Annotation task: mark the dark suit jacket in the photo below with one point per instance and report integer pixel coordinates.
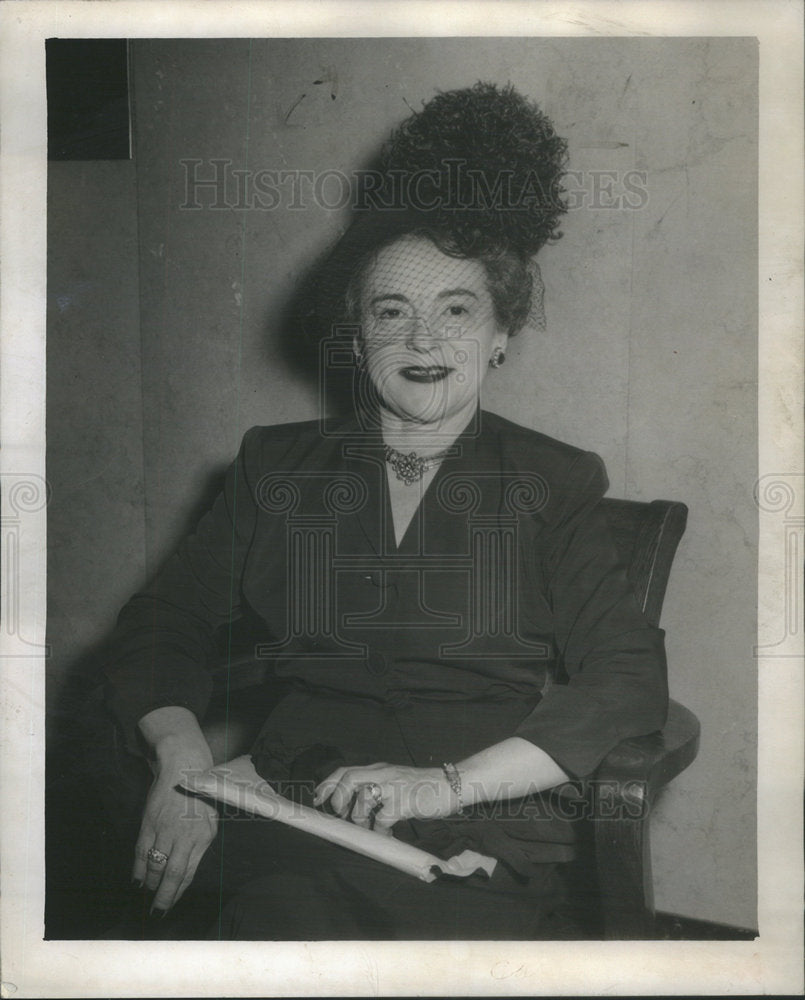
(504, 611)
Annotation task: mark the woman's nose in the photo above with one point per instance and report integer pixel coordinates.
(419, 335)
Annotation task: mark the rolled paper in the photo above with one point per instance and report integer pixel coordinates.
(238, 784)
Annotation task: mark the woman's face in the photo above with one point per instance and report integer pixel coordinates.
(429, 331)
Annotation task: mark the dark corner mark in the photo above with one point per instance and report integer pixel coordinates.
(88, 99)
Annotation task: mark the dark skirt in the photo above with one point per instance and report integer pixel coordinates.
(261, 880)
(266, 881)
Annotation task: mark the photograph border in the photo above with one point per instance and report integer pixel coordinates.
(36, 968)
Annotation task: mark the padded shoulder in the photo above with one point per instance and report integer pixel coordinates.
(268, 447)
(572, 477)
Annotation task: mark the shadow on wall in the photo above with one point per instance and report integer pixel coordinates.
(313, 313)
(316, 312)
(83, 675)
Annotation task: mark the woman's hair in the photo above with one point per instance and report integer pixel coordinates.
(477, 172)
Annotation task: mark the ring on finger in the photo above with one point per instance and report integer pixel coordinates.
(375, 793)
(157, 857)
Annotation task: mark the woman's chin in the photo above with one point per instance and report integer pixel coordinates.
(430, 412)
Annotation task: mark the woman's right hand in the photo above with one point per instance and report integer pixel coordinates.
(178, 826)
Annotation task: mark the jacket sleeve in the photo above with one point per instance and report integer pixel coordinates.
(164, 641)
(611, 683)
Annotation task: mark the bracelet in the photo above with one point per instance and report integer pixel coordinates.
(454, 780)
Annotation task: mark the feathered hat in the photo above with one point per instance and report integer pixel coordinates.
(482, 165)
(478, 168)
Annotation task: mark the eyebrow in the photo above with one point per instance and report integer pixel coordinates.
(456, 291)
(385, 298)
(395, 297)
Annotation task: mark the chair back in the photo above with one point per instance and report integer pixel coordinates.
(647, 536)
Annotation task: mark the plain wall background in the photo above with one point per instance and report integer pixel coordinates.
(164, 339)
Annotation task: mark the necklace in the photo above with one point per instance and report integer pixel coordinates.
(410, 468)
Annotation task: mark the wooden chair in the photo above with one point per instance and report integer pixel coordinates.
(625, 786)
(628, 781)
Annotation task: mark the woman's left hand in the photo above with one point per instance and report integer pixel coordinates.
(379, 795)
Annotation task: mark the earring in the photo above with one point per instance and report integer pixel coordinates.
(497, 359)
(359, 360)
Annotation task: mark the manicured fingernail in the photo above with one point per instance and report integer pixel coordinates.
(138, 882)
(157, 912)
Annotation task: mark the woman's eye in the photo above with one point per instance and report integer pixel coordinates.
(457, 310)
(389, 313)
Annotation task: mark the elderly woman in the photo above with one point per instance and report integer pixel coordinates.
(438, 586)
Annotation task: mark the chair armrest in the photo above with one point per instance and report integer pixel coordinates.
(625, 786)
(642, 765)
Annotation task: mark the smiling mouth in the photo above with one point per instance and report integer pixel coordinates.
(431, 373)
